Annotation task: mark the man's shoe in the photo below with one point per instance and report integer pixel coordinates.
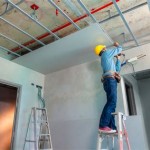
(106, 130)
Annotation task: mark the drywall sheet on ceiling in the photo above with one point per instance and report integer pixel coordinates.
(71, 50)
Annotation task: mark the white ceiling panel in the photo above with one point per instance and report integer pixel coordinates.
(74, 49)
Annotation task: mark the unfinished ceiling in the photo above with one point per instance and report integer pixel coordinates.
(26, 25)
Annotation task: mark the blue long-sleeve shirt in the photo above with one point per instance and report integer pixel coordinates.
(107, 61)
(118, 65)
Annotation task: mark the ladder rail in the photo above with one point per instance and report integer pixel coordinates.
(27, 128)
(42, 141)
(35, 129)
(120, 131)
(49, 128)
(126, 135)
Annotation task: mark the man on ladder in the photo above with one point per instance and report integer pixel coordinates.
(110, 78)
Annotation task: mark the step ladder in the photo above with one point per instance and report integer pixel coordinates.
(121, 134)
(38, 135)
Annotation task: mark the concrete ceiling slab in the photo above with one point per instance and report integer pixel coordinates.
(46, 14)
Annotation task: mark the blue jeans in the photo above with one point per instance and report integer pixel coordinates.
(107, 119)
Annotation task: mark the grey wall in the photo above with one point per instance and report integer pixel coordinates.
(132, 121)
(144, 86)
(75, 99)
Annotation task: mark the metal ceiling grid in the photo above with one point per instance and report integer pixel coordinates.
(77, 11)
(93, 18)
(3, 48)
(4, 36)
(7, 9)
(40, 24)
(114, 25)
(125, 22)
(22, 31)
(64, 14)
(37, 22)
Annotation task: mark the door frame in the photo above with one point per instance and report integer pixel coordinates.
(17, 109)
(131, 102)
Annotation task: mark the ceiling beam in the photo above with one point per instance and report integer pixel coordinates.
(66, 16)
(94, 19)
(24, 32)
(37, 22)
(4, 36)
(9, 9)
(126, 11)
(3, 48)
(125, 22)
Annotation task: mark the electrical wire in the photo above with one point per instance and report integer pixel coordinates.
(124, 62)
(134, 73)
(40, 97)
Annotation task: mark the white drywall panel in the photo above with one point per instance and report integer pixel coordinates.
(71, 50)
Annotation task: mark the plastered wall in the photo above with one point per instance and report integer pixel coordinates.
(133, 121)
(23, 77)
(144, 86)
(75, 98)
(72, 98)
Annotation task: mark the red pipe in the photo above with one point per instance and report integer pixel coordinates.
(63, 26)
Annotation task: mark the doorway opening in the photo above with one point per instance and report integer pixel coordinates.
(8, 110)
(130, 98)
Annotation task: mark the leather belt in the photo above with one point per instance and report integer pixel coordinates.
(108, 77)
(103, 78)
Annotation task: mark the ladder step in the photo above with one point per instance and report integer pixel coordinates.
(116, 113)
(30, 141)
(112, 134)
(121, 134)
(45, 140)
(44, 134)
(40, 122)
(41, 109)
(109, 134)
(45, 149)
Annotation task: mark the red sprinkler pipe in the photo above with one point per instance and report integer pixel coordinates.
(64, 26)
